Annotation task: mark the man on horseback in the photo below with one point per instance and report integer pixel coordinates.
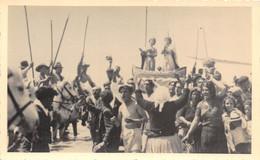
(44, 75)
(56, 77)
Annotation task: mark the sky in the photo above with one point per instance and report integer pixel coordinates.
(120, 31)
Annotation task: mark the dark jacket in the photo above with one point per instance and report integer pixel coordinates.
(162, 123)
(40, 144)
(105, 130)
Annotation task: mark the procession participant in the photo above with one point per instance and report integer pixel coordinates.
(25, 67)
(236, 92)
(92, 117)
(172, 88)
(40, 141)
(244, 83)
(44, 75)
(82, 73)
(149, 87)
(177, 90)
(57, 77)
(162, 134)
(248, 117)
(209, 67)
(150, 53)
(131, 116)
(185, 116)
(209, 112)
(197, 81)
(108, 135)
(170, 57)
(113, 74)
(235, 127)
(107, 86)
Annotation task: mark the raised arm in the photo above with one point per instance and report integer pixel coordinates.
(145, 104)
(220, 85)
(179, 103)
(91, 107)
(80, 64)
(25, 71)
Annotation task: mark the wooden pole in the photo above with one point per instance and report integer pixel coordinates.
(30, 48)
(85, 36)
(51, 43)
(59, 44)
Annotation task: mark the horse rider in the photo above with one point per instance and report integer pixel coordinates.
(44, 74)
(56, 77)
(25, 67)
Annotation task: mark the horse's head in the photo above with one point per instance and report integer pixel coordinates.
(66, 91)
(21, 111)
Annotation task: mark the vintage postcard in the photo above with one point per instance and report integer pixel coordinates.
(93, 79)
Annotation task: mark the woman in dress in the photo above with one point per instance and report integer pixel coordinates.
(186, 115)
(209, 112)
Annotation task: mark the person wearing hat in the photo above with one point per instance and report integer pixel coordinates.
(57, 77)
(44, 74)
(245, 85)
(170, 57)
(131, 116)
(25, 67)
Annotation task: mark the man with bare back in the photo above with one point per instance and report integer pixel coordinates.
(131, 116)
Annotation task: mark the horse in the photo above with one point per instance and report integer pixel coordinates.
(22, 114)
(65, 111)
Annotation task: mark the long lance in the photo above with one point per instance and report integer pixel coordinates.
(59, 45)
(85, 36)
(51, 43)
(30, 48)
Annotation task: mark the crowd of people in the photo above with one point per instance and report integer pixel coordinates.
(197, 113)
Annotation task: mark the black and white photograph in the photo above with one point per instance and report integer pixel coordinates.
(129, 79)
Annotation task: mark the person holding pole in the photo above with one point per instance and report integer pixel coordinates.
(56, 77)
(44, 72)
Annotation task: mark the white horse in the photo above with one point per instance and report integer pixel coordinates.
(22, 112)
(65, 110)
